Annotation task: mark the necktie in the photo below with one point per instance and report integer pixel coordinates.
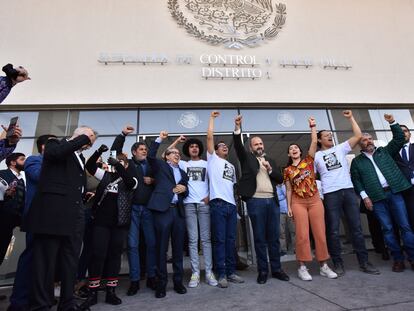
(404, 154)
(20, 193)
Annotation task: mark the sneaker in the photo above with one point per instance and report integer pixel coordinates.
(222, 283)
(327, 272)
(303, 274)
(234, 278)
(339, 268)
(211, 279)
(194, 281)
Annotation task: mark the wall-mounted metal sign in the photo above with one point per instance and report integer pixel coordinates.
(124, 58)
(232, 23)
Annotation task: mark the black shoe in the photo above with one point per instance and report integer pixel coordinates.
(160, 292)
(152, 283)
(262, 277)
(179, 288)
(385, 255)
(369, 268)
(18, 308)
(240, 265)
(91, 300)
(339, 268)
(3, 297)
(133, 288)
(281, 275)
(111, 298)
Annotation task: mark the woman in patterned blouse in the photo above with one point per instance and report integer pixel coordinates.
(305, 205)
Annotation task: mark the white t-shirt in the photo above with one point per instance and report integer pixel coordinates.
(222, 176)
(333, 168)
(197, 180)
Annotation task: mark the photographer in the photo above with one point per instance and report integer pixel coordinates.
(111, 217)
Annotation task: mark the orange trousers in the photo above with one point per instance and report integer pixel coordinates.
(309, 211)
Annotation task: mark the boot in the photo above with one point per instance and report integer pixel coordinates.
(91, 300)
(111, 297)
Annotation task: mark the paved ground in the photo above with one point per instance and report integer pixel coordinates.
(354, 291)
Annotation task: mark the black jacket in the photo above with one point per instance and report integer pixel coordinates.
(407, 168)
(250, 167)
(57, 203)
(143, 192)
(10, 204)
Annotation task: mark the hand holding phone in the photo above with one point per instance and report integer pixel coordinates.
(11, 127)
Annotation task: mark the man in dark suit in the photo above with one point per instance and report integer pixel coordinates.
(19, 300)
(141, 218)
(405, 161)
(257, 187)
(56, 219)
(11, 206)
(166, 203)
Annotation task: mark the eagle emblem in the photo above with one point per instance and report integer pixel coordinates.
(232, 23)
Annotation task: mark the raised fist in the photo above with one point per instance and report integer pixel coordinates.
(238, 120)
(215, 114)
(128, 129)
(388, 117)
(312, 121)
(163, 134)
(103, 148)
(347, 114)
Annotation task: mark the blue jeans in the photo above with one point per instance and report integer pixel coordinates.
(141, 216)
(197, 215)
(345, 200)
(223, 228)
(265, 217)
(393, 207)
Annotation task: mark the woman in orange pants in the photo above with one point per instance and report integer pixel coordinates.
(305, 205)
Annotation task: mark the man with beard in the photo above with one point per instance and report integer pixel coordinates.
(13, 203)
(379, 182)
(257, 187)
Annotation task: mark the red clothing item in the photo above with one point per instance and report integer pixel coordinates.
(302, 177)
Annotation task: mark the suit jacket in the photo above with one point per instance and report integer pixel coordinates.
(406, 168)
(143, 192)
(57, 202)
(10, 206)
(250, 168)
(165, 182)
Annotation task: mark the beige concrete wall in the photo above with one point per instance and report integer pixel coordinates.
(60, 41)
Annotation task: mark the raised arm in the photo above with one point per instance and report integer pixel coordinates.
(91, 165)
(152, 153)
(210, 132)
(119, 141)
(398, 139)
(314, 137)
(56, 151)
(354, 140)
(237, 138)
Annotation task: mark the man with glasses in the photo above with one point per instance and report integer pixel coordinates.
(257, 187)
(223, 211)
(167, 205)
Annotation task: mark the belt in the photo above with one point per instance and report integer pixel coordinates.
(173, 205)
(386, 189)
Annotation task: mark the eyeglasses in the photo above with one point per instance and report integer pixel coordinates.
(221, 145)
(173, 152)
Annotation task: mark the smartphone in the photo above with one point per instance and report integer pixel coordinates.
(12, 125)
(112, 154)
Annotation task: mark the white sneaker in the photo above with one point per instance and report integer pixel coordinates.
(194, 281)
(303, 274)
(327, 272)
(211, 279)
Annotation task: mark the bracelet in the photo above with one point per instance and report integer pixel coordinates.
(313, 125)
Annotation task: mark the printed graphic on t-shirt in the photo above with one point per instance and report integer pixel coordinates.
(196, 173)
(112, 188)
(331, 161)
(228, 172)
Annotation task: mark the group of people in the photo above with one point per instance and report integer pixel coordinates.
(165, 198)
